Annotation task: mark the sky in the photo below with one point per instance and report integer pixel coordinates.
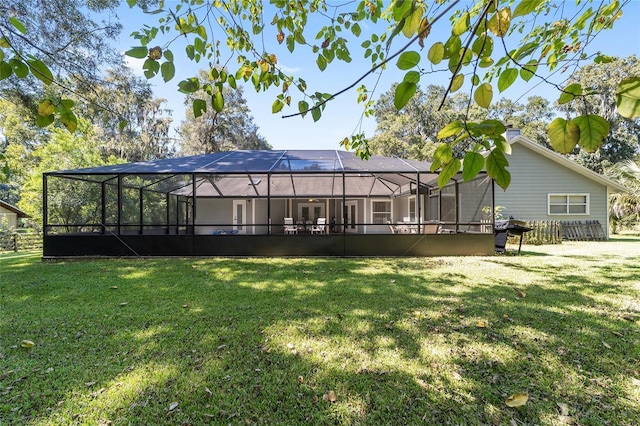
(343, 116)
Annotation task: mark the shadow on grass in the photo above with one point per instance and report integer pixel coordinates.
(247, 341)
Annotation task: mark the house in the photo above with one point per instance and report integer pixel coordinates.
(10, 215)
(265, 203)
(546, 186)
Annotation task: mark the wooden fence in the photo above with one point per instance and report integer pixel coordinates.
(576, 230)
(554, 231)
(20, 241)
(543, 232)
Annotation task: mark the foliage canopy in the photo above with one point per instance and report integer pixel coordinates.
(242, 42)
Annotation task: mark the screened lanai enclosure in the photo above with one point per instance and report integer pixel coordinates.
(266, 203)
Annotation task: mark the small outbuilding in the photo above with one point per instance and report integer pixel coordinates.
(10, 215)
(266, 203)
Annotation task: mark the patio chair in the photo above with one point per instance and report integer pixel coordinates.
(289, 227)
(319, 228)
(431, 228)
(391, 227)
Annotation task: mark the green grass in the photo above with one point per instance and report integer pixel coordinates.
(271, 341)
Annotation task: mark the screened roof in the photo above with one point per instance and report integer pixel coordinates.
(291, 173)
(263, 162)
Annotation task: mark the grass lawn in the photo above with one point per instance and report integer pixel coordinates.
(324, 341)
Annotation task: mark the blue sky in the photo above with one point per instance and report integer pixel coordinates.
(343, 116)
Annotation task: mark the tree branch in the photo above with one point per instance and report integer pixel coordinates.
(380, 65)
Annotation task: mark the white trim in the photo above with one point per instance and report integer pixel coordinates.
(415, 212)
(568, 204)
(242, 227)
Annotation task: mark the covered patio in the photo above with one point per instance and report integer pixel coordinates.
(266, 203)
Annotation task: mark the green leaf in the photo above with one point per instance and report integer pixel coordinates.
(44, 120)
(404, 92)
(501, 143)
(199, 107)
(137, 52)
(408, 60)
(436, 53)
(401, 9)
(603, 59)
(529, 70)
(483, 46)
(491, 128)
(525, 7)
(277, 106)
(20, 69)
(168, 55)
(442, 155)
(483, 95)
(131, 3)
(69, 120)
(40, 71)
(563, 135)
(355, 29)
(457, 82)
(628, 98)
(322, 62)
(448, 171)
(472, 165)
(412, 23)
(461, 25)
(412, 77)
(593, 130)
(507, 78)
(485, 62)
(122, 124)
(66, 104)
(570, 92)
(150, 68)
(168, 70)
(232, 82)
(189, 85)
(5, 70)
(452, 129)
(19, 25)
(316, 114)
(217, 101)
(497, 168)
(303, 107)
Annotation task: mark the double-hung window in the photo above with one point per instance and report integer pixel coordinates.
(381, 211)
(568, 204)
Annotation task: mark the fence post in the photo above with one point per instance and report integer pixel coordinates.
(14, 237)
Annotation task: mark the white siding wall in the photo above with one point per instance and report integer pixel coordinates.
(533, 177)
(212, 211)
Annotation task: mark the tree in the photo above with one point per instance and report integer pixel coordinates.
(130, 122)
(413, 131)
(49, 41)
(63, 151)
(601, 80)
(230, 128)
(492, 44)
(625, 207)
